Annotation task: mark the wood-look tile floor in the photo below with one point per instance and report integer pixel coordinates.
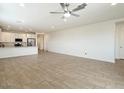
(57, 71)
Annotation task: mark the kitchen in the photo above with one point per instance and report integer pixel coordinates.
(13, 44)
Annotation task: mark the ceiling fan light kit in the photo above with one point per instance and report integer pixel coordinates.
(66, 15)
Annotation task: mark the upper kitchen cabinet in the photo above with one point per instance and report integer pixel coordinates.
(5, 37)
(31, 35)
(12, 37)
(0, 35)
(18, 35)
(24, 37)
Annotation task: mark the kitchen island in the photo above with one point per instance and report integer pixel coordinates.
(18, 51)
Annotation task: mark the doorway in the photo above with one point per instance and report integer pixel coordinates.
(120, 40)
(40, 42)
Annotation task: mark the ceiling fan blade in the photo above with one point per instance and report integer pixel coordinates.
(57, 12)
(62, 5)
(76, 15)
(82, 6)
(65, 6)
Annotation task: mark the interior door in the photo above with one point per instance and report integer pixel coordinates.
(121, 40)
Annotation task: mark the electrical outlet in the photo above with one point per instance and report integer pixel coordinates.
(85, 53)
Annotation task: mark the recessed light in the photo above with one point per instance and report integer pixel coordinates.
(114, 4)
(21, 4)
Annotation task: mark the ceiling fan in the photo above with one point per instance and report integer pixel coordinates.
(67, 12)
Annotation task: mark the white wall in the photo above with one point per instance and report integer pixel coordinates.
(97, 40)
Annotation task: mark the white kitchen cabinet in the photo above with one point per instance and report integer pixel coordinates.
(24, 37)
(0, 36)
(31, 35)
(12, 37)
(18, 35)
(5, 37)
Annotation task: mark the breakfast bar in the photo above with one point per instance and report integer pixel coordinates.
(17, 51)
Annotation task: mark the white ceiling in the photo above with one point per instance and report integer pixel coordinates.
(37, 18)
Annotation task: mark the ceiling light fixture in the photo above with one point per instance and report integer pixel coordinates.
(114, 4)
(67, 15)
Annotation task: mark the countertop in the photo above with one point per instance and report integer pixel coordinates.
(18, 47)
